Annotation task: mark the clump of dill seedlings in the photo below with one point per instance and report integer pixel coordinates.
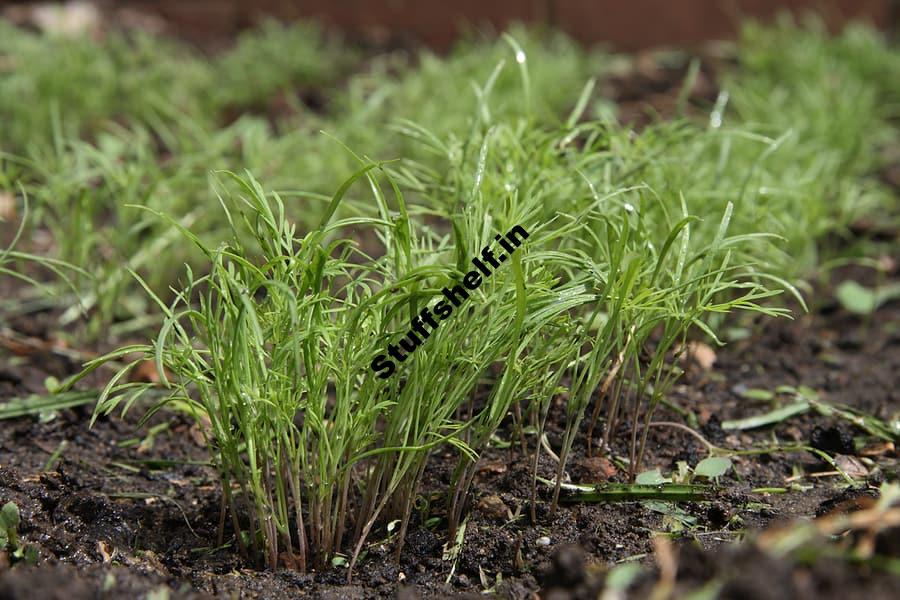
(270, 351)
(636, 242)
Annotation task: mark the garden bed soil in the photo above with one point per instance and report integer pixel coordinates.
(117, 520)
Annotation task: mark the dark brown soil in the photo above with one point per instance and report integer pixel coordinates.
(118, 520)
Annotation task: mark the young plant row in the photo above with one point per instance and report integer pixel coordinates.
(794, 152)
(142, 133)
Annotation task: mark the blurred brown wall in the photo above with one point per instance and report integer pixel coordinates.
(622, 24)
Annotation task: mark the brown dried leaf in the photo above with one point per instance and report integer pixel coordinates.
(197, 429)
(493, 506)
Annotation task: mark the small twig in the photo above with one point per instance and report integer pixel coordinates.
(24, 345)
(793, 478)
(667, 560)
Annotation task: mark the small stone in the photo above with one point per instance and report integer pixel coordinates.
(738, 389)
(542, 541)
(793, 433)
(493, 506)
(489, 468)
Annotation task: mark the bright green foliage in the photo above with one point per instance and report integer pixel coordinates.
(169, 137)
(638, 241)
(97, 126)
(653, 271)
(275, 58)
(829, 103)
(62, 87)
(478, 81)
